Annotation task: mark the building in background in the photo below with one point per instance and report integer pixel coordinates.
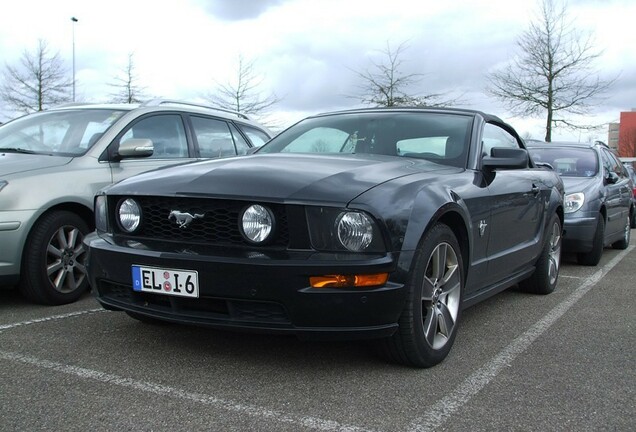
(612, 135)
(626, 133)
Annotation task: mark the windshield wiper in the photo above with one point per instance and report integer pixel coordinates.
(16, 150)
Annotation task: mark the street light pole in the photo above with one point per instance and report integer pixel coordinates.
(74, 20)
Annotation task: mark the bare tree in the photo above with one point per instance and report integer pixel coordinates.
(554, 73)
(128, 91)
(38, 82)
(386, 85)
(242, 94)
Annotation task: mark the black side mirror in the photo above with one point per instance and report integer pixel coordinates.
(506, 157)
(611, 177)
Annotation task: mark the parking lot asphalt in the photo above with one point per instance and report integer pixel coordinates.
(566, 361)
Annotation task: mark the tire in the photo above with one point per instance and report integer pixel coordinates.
(53, 271)
(633, 218)
(593, 257)
(624, 242)
(428, 324)
(546, 275)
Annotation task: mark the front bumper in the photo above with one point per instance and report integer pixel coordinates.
(13, 234)
(578, 233)
(253, 291)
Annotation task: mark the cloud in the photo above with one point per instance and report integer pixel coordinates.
(232, 10)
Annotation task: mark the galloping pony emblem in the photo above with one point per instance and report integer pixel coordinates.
(184, 219)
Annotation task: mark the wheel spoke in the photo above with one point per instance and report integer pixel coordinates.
(61, 238)
(439, 262)
(54, 267)
(79, 249)
(430, 325)
(446, 320)
(451, 290)
(59, 279)
(80, 267)
(73, 235)
(52, 250)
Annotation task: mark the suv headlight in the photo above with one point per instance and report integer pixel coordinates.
(574, 202)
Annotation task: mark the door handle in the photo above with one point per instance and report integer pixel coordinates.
(535, 190)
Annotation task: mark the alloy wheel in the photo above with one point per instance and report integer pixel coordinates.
(65, 259)
(441, 295)
(555, 253)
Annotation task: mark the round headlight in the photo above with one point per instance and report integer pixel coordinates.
(257, 223)
(129, 215)
(355, 231)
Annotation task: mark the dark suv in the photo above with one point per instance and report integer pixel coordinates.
(598, 196)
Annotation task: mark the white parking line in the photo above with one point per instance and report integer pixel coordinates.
(50, 318)
(446, 407)
(163, 390)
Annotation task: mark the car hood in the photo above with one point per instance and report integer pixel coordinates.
(279, 177)
(578, 184)
(13, 163)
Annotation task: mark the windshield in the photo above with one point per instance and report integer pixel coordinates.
(439, 137)
(568, 162)
(68, 132)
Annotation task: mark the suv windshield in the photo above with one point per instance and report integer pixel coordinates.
(68, 132)
(568, 162)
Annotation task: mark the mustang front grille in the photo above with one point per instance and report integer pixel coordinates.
(211, 221)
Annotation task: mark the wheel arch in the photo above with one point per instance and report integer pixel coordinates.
(451, 215)
(457, 224)
(79, 209)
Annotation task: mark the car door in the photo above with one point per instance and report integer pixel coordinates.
(168, 135)
(516, 198)
(617, 200)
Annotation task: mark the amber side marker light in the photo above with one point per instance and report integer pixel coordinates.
(345, 281)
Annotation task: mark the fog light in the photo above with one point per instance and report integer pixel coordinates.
(348, 281)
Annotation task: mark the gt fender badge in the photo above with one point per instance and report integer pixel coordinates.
(482, 227)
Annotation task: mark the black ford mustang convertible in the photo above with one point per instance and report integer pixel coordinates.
(375, 223)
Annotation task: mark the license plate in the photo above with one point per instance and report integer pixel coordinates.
(174, 282)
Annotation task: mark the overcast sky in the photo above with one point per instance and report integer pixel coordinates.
(306, 51)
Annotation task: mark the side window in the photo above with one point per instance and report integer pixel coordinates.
(214, 137)
(607, 163)
(615, 165)
(167, 133)
(256, 136)
(494, 136)
(242, 146)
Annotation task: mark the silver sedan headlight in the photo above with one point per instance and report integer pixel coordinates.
(257, 224)
(129, 215)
